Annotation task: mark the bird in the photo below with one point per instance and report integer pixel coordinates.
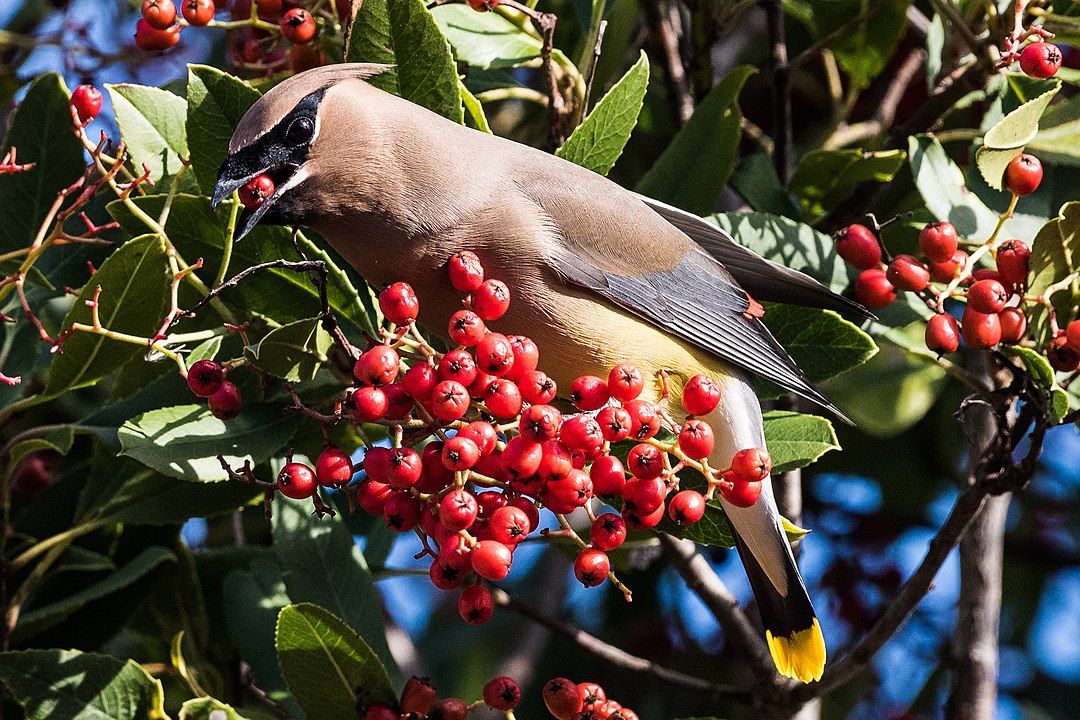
(600, 274)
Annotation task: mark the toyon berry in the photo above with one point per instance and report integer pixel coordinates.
(509, 525)
(980, 330)
(644, 419)
(562, 698)
(1013, 262)
(589, 392)
(858, 246)
(1063, 357)
(381, 711)
(420, 381)
(466, 328)
(297, 481)
(448, 709)
(449, 400)
(687, 507)
(502, 694)
(378, 366)
(608, 532)
(491, 300)
(399, 304)
(696, 439)
(537, 388)
(333, 467)
(1040, 59)
(159, 14)
(608, 476)
(466, 272)
(581, 432)
(269, 10)
(907, 273)
(701, 395)
(476, 605)
(1072, 333)
(643, 496)
(945, 272)
(151, 39)
(491, 560)
(1023, 174)
(873, 289)
(938, 241)
(751, 465)
(34, 475)
(460, 453)
(591, 567)
(418, 696)
(458, 365)
(86, 99)
(369, 404)
(483, 5)
(205, 377)
(198, 13)
(987, 296)
(298, 26)
(526, 357)
(494, 355)
(942, 334)
(592, 696)
(625, 382)
(255, 192)
(402, 512)
(1013, 324)
(645, 461)
(404, 468)
(225, 404)
(742, 494)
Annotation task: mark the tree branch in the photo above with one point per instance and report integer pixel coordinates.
(667, 41)
(781, 89)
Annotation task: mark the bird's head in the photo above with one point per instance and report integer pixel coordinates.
(283, 136)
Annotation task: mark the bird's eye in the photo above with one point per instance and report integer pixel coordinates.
(300, 131)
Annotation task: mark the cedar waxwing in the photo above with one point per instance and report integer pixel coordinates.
(599, 274)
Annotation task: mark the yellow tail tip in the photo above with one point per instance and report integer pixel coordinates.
(800, 655)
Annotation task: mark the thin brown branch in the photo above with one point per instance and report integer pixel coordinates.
(667, 42)
(781, 90)
(838, 33)
(886, 110)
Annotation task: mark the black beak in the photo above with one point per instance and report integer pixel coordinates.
(234, 174)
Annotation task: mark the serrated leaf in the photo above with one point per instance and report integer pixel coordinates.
(151, 122)
(41, 133)
(485, 40)
(184, 441)
(795, 440)
(822, 343)
(694, 169)
(328, 668)
(134, 284)
(321, 564)
(1006, 139)
(216, 102)
(1055, 254)
(474, 109)
(825, 178)
(293, 352)
(403, 34)
(73, 685)
(599, 140)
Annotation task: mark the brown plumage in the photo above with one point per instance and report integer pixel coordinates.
(598, 274)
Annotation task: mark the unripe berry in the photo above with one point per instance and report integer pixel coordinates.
(701, 395)
(873, 289)
(987, 296)
(1040, 59)
(1062, 356)
(151, 39)
(491, 300)
(491, 560)
(255, 192)
(86, 99)
(205, 377)
(591, 567)
(946, 271)
(907, 273)
(608, 532)
(333, 467)
(198, 13)
(399, 304)
(298, 26)
(476, 605)
(980, 330)
(687, 507)
(466, 272)
(1013, 262)
(502, 694)
(297, 481)
(369, 404)
(418, 696)
(696, 439)
(858, 246)
(608, 476)
(742, 494)
(159, 14)
(938, 241)
(225, 404)
(1023, 174)
(562, 699)
(751, 465)
(1013, 324)
(942, 334)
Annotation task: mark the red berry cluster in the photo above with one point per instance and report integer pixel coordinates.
(420, 701)
(567, 700)
(206, 378)
(478, 448)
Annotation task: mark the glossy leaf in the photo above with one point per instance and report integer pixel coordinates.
(151, 499)
(485, 40)
(1054, 256)
(756, 180)
(1007, 138)
(293, 352)
(822, 343)
(216, 102)
(796, 440)
(825, 178)
(151, 124)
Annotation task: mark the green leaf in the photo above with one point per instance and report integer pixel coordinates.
(403, 34)
(72, 685)
(756, 180)
(863, 50)
(485, 40)
(1006, 139)
(134, 284)
(1036, 363)
(825, 178)
(58, 441)
(1055, 254)
(599, 140)
(795, 440)
(321, 564)
(1059, 133)
(41, 133)
(712, 529)
(473, 108)
(151, 499)
(794, 532)
(184, 441)
(37, 619)
(822, 343)
(216, 102)
(151, 124)
(695, 167)
(208, 709)
(293, 352)
(328, 668)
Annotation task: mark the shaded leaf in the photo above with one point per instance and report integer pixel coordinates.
(151, 499)
(293, 352)
(216, 102)
(822, 343)
(1055, 254)
(1058, 139)
(151, 124)
(485, 40)
(756, 180)
(825, 178)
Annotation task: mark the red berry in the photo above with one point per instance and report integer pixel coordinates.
(701, 395)
(608, 476)
(404, 468)
(225, 404)
(540, 423)
(645, 461)
(1040, 59)
(644, 419)
(398, 402)
(687, 507)
(643, 496)
(537, 388)
(87, 102)
(751, 465)
(581, 432)
(555, 461)
(449, 709)
(938, 241)
(334, 467)
(857, 245)
(987, 296)
(205, 377)
(696, 439)
(980, 330)
(378, 366)
(985, 274)
(491, 300)
(298, 26)
(373, 496)
(526, 356)
(907, 273)
(460, 453)
(528, 507)
(402, 512)
(592, 567)
(1013, 324)
(35, 474)
(1013, 262)
(466, 272)
(449, 400)
(458, 365)
(502, 694)
(491, 560)
(522, 457)
(483, 5)
(420, 381)
(482, 433)
(466, 328)
(615, 423)
(608, 531)
(607, 710)
(562, 698)
(269, 10)
(297, 481)
(873, 289)
(592, 696)
(198, 12)
(568, 493)
(418, 696)
(149, 38)
(376, 464)
(588, 392)
(743, 494)
(503, 399)
(369, 404)
(381, 711)
(399, 304)
(942, 334)
(1062, 356)
(458, 510)
(625, 382)
(159, 14)
(256, 191)
(475, 605)
(495, 355)
(1023, 174)
(509, 525)
(946, 271)
(1072, 332)
(643, 521)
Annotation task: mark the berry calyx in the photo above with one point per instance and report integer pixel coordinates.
(159, 14)
(86, 99)
(502, 693)
(298, 26)
(255, 192)
(608, 532)
(1040, 59)
(591, 567)
(858, 246)
(938, 241)
(205, 377)
(1023, 174)
(225, 403)
(873, 289)
(942, 334)
(907, 273)
(333, 467)
(476, 605)
(297, 481)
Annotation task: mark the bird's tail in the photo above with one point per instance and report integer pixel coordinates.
(791, 626)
